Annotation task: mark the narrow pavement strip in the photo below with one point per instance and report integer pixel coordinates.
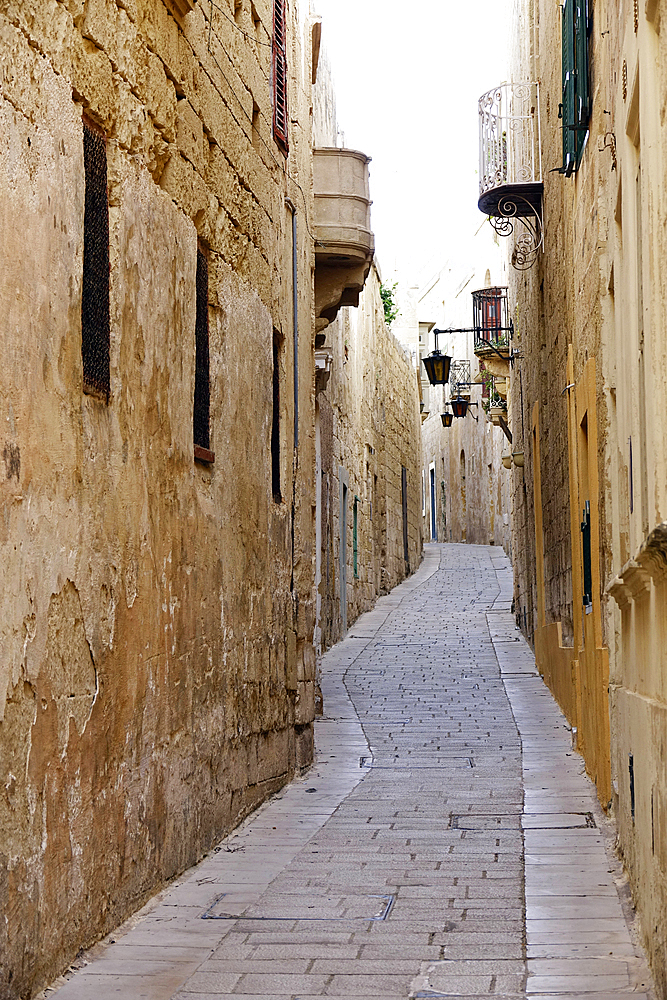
(446, 843)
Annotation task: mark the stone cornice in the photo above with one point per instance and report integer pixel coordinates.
(648, 566)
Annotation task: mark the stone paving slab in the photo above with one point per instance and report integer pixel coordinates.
(445, 842)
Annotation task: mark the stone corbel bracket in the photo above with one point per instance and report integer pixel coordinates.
(181, 7)
(648, 566)
(323, 360)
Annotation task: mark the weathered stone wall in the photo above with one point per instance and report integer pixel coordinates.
(156, 614)
(471, 484)
(472, 487)
(593, 314)
(370, 410)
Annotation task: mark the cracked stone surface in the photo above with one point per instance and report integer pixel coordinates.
(445, 843)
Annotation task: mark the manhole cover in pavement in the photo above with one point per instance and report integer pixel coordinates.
(336, 906)
(483, 823)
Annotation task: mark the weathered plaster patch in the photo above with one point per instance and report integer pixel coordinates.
(69, 670)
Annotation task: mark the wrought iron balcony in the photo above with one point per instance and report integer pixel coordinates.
(510, 166)
(492, 325)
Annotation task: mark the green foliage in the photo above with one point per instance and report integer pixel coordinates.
(387, 293)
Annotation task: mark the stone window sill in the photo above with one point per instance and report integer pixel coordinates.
(204, 455)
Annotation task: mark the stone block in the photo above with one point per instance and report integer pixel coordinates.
(180, 180)
(159, 94)
(304, 709)
(190, 136)
(291, 674)
(93, 83)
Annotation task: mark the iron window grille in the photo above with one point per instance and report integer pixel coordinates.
(202, 400)
(275, 421)
(491, 320)
(575, 109)
(279, 76)
(95, 318)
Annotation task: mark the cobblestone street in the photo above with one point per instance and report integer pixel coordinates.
(445, 843)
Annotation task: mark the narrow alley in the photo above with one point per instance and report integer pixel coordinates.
(445, 842)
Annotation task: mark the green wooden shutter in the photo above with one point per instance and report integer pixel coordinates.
(575, 109)
(581, 80)
(567, 109)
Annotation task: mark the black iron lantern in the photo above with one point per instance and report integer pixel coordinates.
(447, 418)
(437, 367)
(437, 364)
(459, 406)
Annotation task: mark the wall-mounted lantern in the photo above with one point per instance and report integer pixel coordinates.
(447, 418)
(437, 364)
(460, 406)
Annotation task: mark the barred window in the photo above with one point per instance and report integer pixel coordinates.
(202, 401)
(95, 324)
(275, 422)
(279, 80)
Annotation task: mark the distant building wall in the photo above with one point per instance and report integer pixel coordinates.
(370, 410)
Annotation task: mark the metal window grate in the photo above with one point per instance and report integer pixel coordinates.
(280, 76)
(95, 323)
(202, 404)
(275, 421)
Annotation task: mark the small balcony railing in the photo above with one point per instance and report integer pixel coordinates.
(510, 165)
(492, 324)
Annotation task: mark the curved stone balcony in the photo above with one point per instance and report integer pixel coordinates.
(344, 242)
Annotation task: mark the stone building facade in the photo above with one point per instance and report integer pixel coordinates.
(157, 394)
(368, 427)
(367, 515)
(465, 486)
(590, 505)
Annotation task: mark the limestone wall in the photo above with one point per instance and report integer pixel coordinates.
(369, 425)
(592, 316)
(462, 464)
(471, 484)
(156, 613)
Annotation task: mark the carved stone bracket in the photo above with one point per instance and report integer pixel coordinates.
(652, 556)
(620, 592)
(648, 566)
(323, 361)
(181, 7)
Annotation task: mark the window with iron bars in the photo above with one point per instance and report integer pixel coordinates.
(202, 402)
(279, 76)
(95, 319)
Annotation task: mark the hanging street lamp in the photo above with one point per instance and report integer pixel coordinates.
(437, 364)
(459, 406)
(447, 418)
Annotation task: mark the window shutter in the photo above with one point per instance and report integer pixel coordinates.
(567, 107)
(575, 108)
(280, 76)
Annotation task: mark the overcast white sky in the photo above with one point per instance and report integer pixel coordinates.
(407, 77)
